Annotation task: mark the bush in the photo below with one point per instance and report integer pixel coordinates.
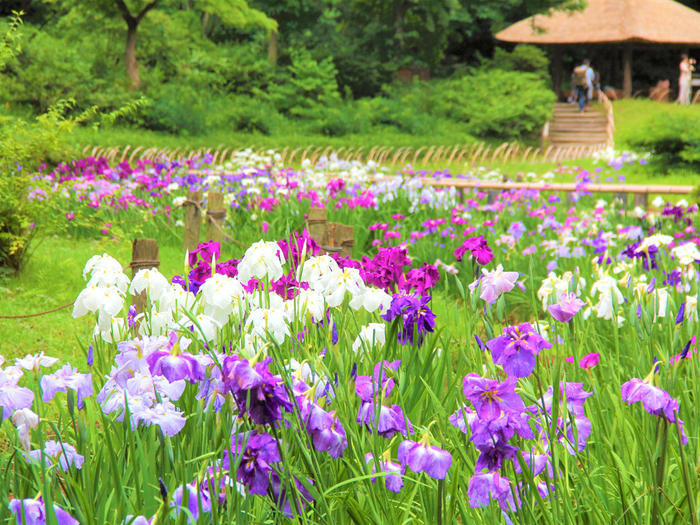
(524, 58)
(673, 138)
(305, 84)
(178, 109)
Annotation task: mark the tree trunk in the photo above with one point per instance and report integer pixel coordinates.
(272, 49)
(132, 65)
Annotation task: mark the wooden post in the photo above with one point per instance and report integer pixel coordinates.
(317, 221)
(345, 239)
(641, 200)
(144, 254)
(556, 70)
(193, 219)
(491, 196)
(627, 70)
(216, 213)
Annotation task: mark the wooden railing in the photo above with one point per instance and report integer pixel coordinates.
(610, 119)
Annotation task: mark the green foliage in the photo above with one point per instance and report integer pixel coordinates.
(305, 84)
(526, 58)
(673, 139)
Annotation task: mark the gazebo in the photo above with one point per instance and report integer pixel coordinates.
(626, 23)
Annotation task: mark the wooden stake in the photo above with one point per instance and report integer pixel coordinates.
(641, 200)
(317, 221)
(144, 254)
(216, 214)
(193, 219)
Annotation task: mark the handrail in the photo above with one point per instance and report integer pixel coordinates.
(559, 186)
(610, 119)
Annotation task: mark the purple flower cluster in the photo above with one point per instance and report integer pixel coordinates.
(479, 249)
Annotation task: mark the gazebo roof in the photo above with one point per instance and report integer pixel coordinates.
(609, 21)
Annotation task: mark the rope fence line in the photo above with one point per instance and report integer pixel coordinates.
(385, 155)
(37, 314)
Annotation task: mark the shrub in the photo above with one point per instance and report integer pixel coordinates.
(178, 109)
(673, 138)
(524, 58)
(305, 84)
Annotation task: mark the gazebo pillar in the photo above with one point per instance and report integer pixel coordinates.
(556, 69)
(627, 70)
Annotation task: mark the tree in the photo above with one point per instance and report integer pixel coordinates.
(236, 13)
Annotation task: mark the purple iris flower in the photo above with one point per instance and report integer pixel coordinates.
(490, 397)
(573, 427)
(325, 429)
(13, 397)
(193, 498)
(493, 453)
(422, 457)
(655, 400)
(463, 418)
(33, 512)
(484, 486)
(681, 313)
(175, 366)
(254, 453)
(394, 473)
(63, 453)
(66, 378)
(418, 318)
(279, 493)
(367, 387)
(566, 308)
(391, 419)
(516, 349)
(257, 386)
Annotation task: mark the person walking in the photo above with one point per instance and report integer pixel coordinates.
(686, 72)
(582, 80)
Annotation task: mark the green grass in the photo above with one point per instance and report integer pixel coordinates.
(53, 277)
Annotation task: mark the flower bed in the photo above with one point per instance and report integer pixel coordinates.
(526, 360)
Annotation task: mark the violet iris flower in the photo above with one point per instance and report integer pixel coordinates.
(63, 453)
(566, 308)
(490, 397)
(516, 349)
(194, 495)
(393, 479)
(66, 378)
(484, 486)
(257, 386)
(391, 419)
(175, 366)
(33, 512)
(417, 317)
(422, 457)
(13, 397)
(279, 493)
(254, 453)
(325, 429)
(655, 400)
(366, 387)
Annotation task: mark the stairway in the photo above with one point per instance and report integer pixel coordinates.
(569, 128)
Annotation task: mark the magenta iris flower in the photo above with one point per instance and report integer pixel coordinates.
(490, 397)
(33, 512)
(516, 349)
(566, 308)
(479, 249)
(422, 457)
(589, 360)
